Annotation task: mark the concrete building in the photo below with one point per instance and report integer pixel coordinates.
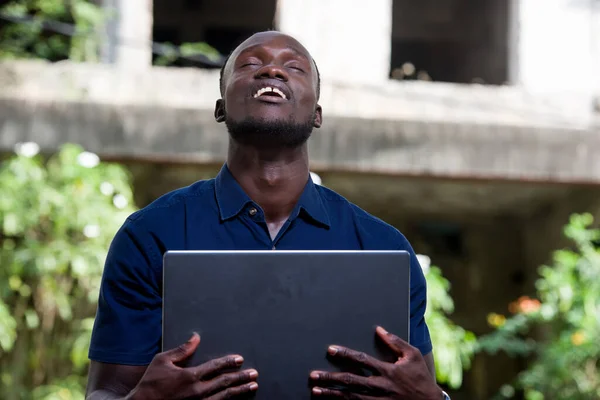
(480, 164)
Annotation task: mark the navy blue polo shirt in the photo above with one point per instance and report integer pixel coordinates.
(216, 214)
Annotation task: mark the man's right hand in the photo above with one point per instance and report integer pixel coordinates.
(163, 379)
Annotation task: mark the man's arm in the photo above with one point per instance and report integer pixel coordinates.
(112, 381)
(125, 344)
(430, 365)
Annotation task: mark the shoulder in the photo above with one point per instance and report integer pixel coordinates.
(145, 234)
(374, 231)
(161, 224)
(173, 203)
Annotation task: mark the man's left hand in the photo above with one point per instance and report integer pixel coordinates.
(407, 378)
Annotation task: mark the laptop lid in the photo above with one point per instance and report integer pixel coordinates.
(281, 309)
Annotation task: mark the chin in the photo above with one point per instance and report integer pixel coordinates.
(270, 113)
(270, 131)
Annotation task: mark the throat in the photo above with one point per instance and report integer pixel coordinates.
(275, 228)
(274, 183)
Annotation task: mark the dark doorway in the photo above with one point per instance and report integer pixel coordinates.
(222, 24)
(462, 41)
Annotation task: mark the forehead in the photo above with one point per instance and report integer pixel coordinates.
(274, 40)
(269, 40)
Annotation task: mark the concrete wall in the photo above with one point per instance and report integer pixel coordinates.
(557, 45)
(129, 31)
(349, 39)
(543, 45)
(416, 128)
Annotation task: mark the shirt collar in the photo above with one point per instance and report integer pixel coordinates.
(232, 199)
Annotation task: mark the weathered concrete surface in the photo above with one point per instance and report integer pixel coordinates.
(413, 129)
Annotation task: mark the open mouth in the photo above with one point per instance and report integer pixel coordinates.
(271, 92)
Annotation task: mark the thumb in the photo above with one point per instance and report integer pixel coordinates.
(399, 346)
(184, 350)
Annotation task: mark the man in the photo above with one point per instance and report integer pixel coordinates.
(263, 198)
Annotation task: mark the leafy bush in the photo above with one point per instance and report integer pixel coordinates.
(453, 346)
(57, 218)
(30, 40)
(559, 330)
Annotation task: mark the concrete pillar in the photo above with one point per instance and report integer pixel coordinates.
(129, 33)
(596, 51)
(556, 45)
(349, 39)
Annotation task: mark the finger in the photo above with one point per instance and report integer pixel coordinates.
(184, 350)
(235, 391)
(399, 346)
(338, 394)
(217, 365)
(357, 357)
(225, 381)
(347, 380)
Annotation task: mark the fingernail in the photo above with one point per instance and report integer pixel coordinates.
(317, 391)
(332, 350)
(253, 373)
(382, 331)
(191, 339)
(314, 375)
(239, 360)
(253, 386)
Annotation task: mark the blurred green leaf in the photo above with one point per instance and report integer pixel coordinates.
(8, 328)
(454, 347)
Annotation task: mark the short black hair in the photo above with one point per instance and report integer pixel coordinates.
(227, 59)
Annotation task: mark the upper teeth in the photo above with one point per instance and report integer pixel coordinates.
(270, 89)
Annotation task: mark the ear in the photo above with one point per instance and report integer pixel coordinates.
(318, 117)
(220, 111)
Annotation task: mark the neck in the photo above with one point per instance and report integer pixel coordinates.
(273, 178)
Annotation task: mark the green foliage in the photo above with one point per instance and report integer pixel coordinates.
(563, 324)
(454, 346)
(57, 218)
(172, 53)
(30, 40)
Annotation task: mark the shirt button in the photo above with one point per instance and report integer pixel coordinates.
(253, 211)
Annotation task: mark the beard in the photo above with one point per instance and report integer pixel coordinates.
(278, 133)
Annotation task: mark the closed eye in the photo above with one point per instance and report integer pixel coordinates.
(250, 61)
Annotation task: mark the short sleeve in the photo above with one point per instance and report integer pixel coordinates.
(128, 324)
(419, 332)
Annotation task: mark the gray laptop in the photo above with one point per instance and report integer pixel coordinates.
(281, 309)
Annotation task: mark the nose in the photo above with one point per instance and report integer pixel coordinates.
(272, 71)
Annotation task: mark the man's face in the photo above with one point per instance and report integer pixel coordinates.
(270, 92)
